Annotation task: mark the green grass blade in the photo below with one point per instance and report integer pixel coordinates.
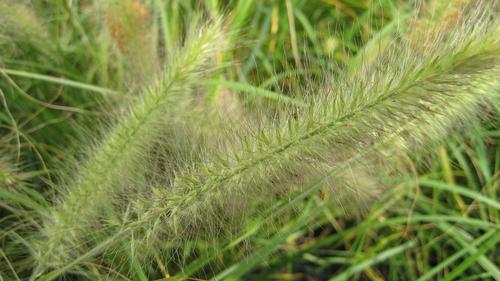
(461, 190)
(60, 81)
(256, 91)
(349, 272)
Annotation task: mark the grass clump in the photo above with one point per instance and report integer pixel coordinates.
(339, 163)
(408, 105)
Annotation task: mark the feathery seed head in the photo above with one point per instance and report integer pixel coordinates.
(114, 167)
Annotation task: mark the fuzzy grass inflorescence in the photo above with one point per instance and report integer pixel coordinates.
(423, 86)
(99, 181)
(8, 173)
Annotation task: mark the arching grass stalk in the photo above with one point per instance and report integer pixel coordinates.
(100, 180)
(421, 87)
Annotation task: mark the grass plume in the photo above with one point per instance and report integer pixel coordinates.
(98, 182)
(414, 94)
(8, 174)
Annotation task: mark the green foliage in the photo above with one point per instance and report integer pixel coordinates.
(325, 140)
